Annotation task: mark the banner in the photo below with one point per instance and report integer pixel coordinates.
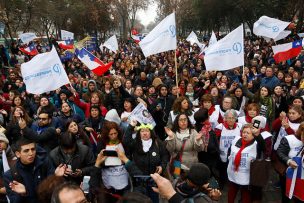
(227, 53)
(161, 38)
(27, 37)
(281, 35)
(142, 115)
(269, 27)
(66, 35)
(212, 40)
(44, 73)
(111, 44)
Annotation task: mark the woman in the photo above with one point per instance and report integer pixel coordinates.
(95, 100)
(19, 101)
(191, 95)
(129, 105)
(252, 110)
(279, 100)
(73, 128)
(291, 146)
(181, 105)
(67, 113)
(243, 150)
(13, 131)
(45, 103)
(239, 97)
(227, 132)
(287, 124)
(211, 153)
(148, 153)
(184, 141)
(114, 174)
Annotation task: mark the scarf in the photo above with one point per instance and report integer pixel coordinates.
(237, 159)
(267, 101)
(205, 130)
(211, 110)
(248, 119)
(183, 134)
(114, 142)
(146, 144)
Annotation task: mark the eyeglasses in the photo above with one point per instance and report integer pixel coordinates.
(183, 119)
(43, 119)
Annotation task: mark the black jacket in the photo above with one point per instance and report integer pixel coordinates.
(82, 159)
(283, 150)
(145, 161)
(115, 101)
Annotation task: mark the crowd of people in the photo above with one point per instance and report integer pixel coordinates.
(211, 126)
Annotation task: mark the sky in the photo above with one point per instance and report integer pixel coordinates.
(147, 16)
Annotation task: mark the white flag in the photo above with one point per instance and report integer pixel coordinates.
(192, 38)
(281, 35)
(269, 27)
(161, 38)
(65, 35)
(111, 43)
(44, 73)
(227, 53)
(27, 37)
(212, 40)
(142, 115)
(301, 34)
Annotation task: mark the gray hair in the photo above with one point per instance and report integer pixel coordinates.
(233, 112)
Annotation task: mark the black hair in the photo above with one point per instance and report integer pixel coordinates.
(67, 141)
(175, 127)
(21, 142)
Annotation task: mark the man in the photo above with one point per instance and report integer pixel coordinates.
(270, 80)
(22, 180)
(42, 131)
(92, 87)
(190, 189)
(68, 193)
(78, 157)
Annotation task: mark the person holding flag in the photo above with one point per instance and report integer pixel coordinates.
(290, 152)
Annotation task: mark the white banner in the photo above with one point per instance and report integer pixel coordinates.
(142, 115)
(44, 73)
(269, 27)
(111, 44)
(227, 53)
(65, 35)
(161, 38)
(27, 37)
(281, 35)
(212, 40)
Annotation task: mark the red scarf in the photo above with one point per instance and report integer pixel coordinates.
(211, 110)
(248, 119)
(237, 159)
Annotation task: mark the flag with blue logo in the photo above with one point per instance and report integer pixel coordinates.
(227, 53)
(162, 38)
(269, 27)
(44, 73)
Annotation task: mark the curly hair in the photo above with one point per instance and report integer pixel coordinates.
(177, 106)
(107, 127)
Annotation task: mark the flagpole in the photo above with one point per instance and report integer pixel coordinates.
(176, 76)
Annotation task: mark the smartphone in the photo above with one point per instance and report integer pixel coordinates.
(256, 123)
(145, 181)
(110, 153)
(213, 183)
(85, 184)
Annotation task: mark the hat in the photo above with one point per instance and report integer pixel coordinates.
(199, 174)
(259, 122)
(3, 138)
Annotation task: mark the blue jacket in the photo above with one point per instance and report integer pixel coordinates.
(270, 82)
(30, 177)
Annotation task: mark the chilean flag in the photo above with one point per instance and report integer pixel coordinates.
(66, 44)
(30, 50)
(287, 51)
(136, 38)
(92, 62)
(295, 180)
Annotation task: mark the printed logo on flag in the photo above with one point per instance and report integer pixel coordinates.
(275, 29)
(172, 30)
(44, 73)
(237, 47)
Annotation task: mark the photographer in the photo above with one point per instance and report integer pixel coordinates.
(195, 188)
